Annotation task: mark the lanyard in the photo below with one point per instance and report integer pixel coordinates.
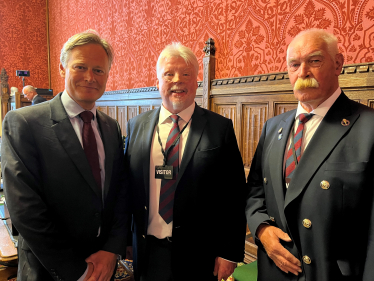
(174, 142)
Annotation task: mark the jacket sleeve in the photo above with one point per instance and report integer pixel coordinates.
(28, 209)
(231, 208)
(256, 211)
(117, 239)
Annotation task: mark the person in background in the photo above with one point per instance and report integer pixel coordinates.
(63, 170)
(187, 181)
(30, 93)
(311, 179)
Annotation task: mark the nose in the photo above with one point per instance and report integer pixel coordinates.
(303, 70)
(89, 76)
(176, 78)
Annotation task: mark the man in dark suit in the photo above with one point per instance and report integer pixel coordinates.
(63, 177)
(311, 180)
(191, 224)
(30, 93)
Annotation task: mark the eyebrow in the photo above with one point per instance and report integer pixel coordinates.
(314, 54)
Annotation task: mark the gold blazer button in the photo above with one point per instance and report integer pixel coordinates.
(307, 223)
(265, 180)
(325, 185)
(307, 260)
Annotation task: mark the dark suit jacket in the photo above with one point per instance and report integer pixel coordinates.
(38, 99)
(340, 239)
(51, 193)
(208, 206)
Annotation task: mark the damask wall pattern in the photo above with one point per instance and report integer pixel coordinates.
(251, 35)
(23, 41)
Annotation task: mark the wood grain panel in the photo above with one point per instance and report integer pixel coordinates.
(112, 112)
(144, 108)
(122, 118)
(227, 110)
(253, 119)
(371, 103)
(132, 111)
(281, 107)
(103, 109)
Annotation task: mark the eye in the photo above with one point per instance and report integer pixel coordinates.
(98, 71)
(79, 67)
(294, 65)
(186, 74)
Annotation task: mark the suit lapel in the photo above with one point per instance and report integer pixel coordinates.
(276, 157)
(70, 142)
(328, 134)
(147, 134)
(106, 136)
(196, 130)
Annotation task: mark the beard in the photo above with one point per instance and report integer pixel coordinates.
(305, 83)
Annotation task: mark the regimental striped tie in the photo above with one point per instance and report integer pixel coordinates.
(168, 186)
(298, 137)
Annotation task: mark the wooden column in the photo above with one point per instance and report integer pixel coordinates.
(5, 94)
(209, 66)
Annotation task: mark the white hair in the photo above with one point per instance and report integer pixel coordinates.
(176, 49)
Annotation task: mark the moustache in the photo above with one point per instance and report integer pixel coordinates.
(305, 83)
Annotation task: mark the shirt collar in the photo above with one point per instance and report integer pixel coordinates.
(322, 109)
(185, 114)
(72, 108)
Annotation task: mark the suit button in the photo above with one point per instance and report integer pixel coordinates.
(143, 236)
(307, 260)
(325, 185)
(265, 180)
(307, 223)
(145, 207)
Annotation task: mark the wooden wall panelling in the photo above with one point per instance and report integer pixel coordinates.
(112, 111)
(103, 109)
(254, 116)
(132, 111)
(122, 118)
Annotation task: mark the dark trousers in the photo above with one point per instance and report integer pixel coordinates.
(158, 264)
(158, 260)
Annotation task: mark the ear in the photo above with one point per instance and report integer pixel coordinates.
(62, 70)
(339, 61)
(157, 84)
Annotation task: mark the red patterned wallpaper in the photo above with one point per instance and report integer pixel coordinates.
(251, 35)
(23, 41)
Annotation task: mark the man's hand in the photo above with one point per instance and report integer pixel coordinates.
(103, 266)
(269, 237)
(223, 268)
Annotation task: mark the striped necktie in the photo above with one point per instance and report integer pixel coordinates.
(294, 151)
(168, 186)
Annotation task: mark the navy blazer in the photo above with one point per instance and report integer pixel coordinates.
(339, 241)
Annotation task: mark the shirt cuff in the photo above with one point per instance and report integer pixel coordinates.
(84, 275)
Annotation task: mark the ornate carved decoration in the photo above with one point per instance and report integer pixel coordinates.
(347, 70)
(209, 63)
(209, 49)
(5, 93)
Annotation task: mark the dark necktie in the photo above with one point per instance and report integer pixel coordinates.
(298, 137)
(90, 146)
(168, 186)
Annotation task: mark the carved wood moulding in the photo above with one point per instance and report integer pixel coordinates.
(347, 69)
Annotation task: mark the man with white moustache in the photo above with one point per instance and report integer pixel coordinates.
(311, 179)
(187, 180)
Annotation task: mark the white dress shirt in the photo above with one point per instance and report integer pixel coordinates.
(311, 126)
(156, 224)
